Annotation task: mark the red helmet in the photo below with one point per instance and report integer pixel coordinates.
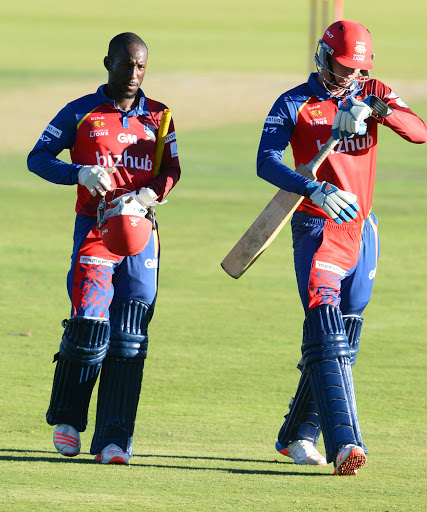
(350, 43)
(125, 230)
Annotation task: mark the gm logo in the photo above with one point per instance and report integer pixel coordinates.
(372, 273)
(151, 263)
(127, 138)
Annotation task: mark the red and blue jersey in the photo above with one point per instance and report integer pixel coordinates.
(97, 133)
(303, 117)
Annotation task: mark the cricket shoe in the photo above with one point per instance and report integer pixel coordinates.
(66, 440)
(112, 454)
(303, 452)
(349, 459)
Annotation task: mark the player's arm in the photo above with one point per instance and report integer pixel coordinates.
(401, 119)
(58, 135)
(276, 135)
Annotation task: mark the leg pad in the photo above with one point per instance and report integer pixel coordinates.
(326, 355)
(121, 376)
(83, 347)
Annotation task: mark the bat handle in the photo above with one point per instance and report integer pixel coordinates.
(317, 161)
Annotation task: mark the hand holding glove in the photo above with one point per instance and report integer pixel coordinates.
(339, 205)
(350, 118)
(96, 179)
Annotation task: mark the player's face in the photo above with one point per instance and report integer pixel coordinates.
(126, 71)
(344, 76)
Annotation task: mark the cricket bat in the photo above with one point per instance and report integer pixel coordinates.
(271, 220)
(161, 138)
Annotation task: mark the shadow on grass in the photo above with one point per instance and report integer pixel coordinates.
(52, 456)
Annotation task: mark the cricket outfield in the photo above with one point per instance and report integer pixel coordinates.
(222, 353)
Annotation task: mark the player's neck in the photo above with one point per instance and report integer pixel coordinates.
(126, 104)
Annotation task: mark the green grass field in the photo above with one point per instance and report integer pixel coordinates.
(222, 353)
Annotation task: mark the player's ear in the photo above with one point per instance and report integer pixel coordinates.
(107, 63)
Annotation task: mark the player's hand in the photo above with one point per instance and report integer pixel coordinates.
(339, 205)
(96, 179)
(350, 118)
(145, 196)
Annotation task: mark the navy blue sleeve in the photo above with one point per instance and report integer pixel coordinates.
(58, 135)
(276, 134)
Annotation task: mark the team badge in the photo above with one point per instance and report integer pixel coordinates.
(360, 49)
(149, 130)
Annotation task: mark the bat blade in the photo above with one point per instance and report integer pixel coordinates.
(261, 233)
(270, 221)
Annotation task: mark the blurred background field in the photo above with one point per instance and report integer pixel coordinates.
(222, 353)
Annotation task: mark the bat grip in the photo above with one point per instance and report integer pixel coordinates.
(317, 161)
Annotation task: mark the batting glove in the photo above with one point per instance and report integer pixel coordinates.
(146, 197)
(339, 205)
(379, 106)
(96, 179)
(350, 118)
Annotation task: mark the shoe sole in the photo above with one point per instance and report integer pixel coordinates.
(355, 460)
(116, 459)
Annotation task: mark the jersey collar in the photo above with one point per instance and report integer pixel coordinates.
(140, 110)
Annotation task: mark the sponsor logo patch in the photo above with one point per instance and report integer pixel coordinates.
(124, 160)
(53, 131)
(372, 274)
(93, 260)
(274, 120)
(354, 145)
(151, 263)
(127, 138)
(170, 137)
(174, 149)
(322, 265)
(134, 221)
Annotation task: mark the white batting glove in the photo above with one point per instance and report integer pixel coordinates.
(96, 178)
(350, 118)
(339, 205)
(146, 197)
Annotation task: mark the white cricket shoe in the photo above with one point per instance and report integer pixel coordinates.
(349, 459)
(66, 440)
(303, 452)
(112, 454)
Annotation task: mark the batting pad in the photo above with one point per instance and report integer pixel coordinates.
(121, 376)
(326, 355)
(81, 352)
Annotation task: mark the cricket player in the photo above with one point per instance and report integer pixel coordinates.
(335, 233)
(111, 137)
